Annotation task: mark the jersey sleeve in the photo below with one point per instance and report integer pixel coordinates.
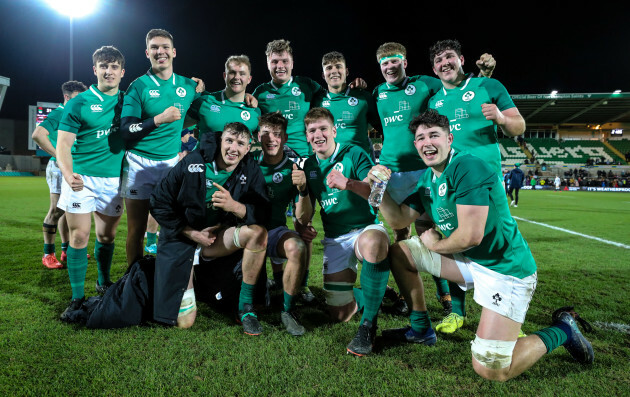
(433, 84)
(71, 119)
(51, 123)
(362, 163)
(498, 93)
(414, 202)
(472, 181)
(132, 103)
(195, 106)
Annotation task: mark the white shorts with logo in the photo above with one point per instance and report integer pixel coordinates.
(402, 184)
(273, 238)
(54, 177)
(98, 194)
(339, 252)
(506, 295)
(140, 175)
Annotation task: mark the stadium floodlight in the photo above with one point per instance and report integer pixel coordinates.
(73, 9)
(617, 92)
(554, 92)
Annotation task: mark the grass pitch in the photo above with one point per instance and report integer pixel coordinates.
(42, 356)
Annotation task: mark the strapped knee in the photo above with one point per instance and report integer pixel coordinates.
(338, 293)
(188, 304)
(50, 229)
(237, 242)
(493, 354)
(424, 259)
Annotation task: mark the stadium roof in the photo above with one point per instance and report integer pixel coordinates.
(574, 108)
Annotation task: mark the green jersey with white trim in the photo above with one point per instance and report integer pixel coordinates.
(214, 175)
(353, 111)
(469, 180)
(149, 96)
(280, 188)
(214, 110)
(472, 133)
(51, 124)
(94, 118)
(293, 100)
(397, 106)
(341, 210)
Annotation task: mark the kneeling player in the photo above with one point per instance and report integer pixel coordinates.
(466, 201)
(334, 174)
(213, 198)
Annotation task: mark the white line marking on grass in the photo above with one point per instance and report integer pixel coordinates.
(575, 233)
(613, 326)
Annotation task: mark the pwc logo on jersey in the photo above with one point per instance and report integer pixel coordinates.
(196, 168)
(410, 90)
(245, 115)
(96, 108)
(353, 101)
(468, 96)
(154, 93)
(296, 91)
(181, 92)
(277, 177)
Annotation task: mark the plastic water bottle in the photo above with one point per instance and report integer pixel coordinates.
(378, 189)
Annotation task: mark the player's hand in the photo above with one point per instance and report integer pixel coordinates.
(492, 112)
(486, 64)
(251, 101)
(377, 173)
(205, 237)
(335, 179)
(169, 115)
(223, 199)
(306, 232)
(429, 238)
(358, 83)
(201, 87)
(76, 182)
(298, 178)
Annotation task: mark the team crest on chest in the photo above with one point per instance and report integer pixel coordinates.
(338, 167)
(245, 115)
(277, 177)
(353, 101)
(410, 90)
(468, 96)
(296, 91)
(442, 189)
(181, 92)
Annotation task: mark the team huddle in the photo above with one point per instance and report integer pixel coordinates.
(440, 158)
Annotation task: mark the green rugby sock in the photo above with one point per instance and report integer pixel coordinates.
(151, 238)
(77, 268)
(246, 295)
(49, 249)
(358, 296)
(458, 299)
(103, 254)
(374, 277)
(420, 321)
(288, 302)
(552, 337)
(441, 286)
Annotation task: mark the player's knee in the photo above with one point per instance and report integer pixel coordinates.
(252, 237)
(373, 246)
(295, 249)
(492, 358)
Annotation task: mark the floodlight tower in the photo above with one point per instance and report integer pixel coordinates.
(73, 9)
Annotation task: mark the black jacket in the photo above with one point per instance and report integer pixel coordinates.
(179, 201)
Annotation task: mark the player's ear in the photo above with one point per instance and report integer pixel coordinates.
(94, 68)
(147, 53)
(174, 52)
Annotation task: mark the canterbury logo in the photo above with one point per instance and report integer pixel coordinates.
(195, 168)
(135, 127)
(154, 93)
(76, 205)
(96, 108)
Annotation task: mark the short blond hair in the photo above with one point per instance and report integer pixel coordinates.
(239, 60)
(278, 47)
(389, 49)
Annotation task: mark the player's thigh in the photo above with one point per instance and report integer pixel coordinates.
(137, 213)
(494, 326)
(105, 227)
(79, 225)
(223, 245)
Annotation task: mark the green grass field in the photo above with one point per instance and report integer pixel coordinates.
(39, 355)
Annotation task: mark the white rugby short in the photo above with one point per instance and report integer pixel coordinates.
(402, 184)
(53, 177)
(98, 194)
(506, 295)
(339, 252)
(140, 175)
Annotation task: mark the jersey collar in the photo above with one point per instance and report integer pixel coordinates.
(462, 86)
(155, 79)
(96, 92)
(328, 94)
(402, 85)
(450, 158)
(287, 84)
(278, 166)
(331, 158)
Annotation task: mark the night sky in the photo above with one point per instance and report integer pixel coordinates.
(539, 47)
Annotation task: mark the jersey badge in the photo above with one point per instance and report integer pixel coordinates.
(243, 179)
(296, 91)
(96, 108)
(277, 177)
(442, 189)
(427, 191)
(245, 115)
(338, 167)
(353, 101)
(410, 90)
(154, 93)
(468, 96)
(195, 168)
(181, 92)
(326, 104)
(313, 175)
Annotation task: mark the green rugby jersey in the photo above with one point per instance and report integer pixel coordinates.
(149, 96)
(353, 110)
(472, 133)
(51, 124)
(98, 149)
(280, 188)
(215, 110)
(214, 175)
(397, 106)
(293, 100)
(341, 210)
(469, 180)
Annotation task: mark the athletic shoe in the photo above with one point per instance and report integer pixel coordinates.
(407, 334)
(151, 249)
(400, 305)
(512, 203)
(64, 256)
(515, 206)
(577, 345)
(363, 341)
(248, 319)
(51, 262)
(521, 334)
(307, 295)
(447, 305)
(75, 304)
(101, 289)
(291, 323)
(450, 323)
